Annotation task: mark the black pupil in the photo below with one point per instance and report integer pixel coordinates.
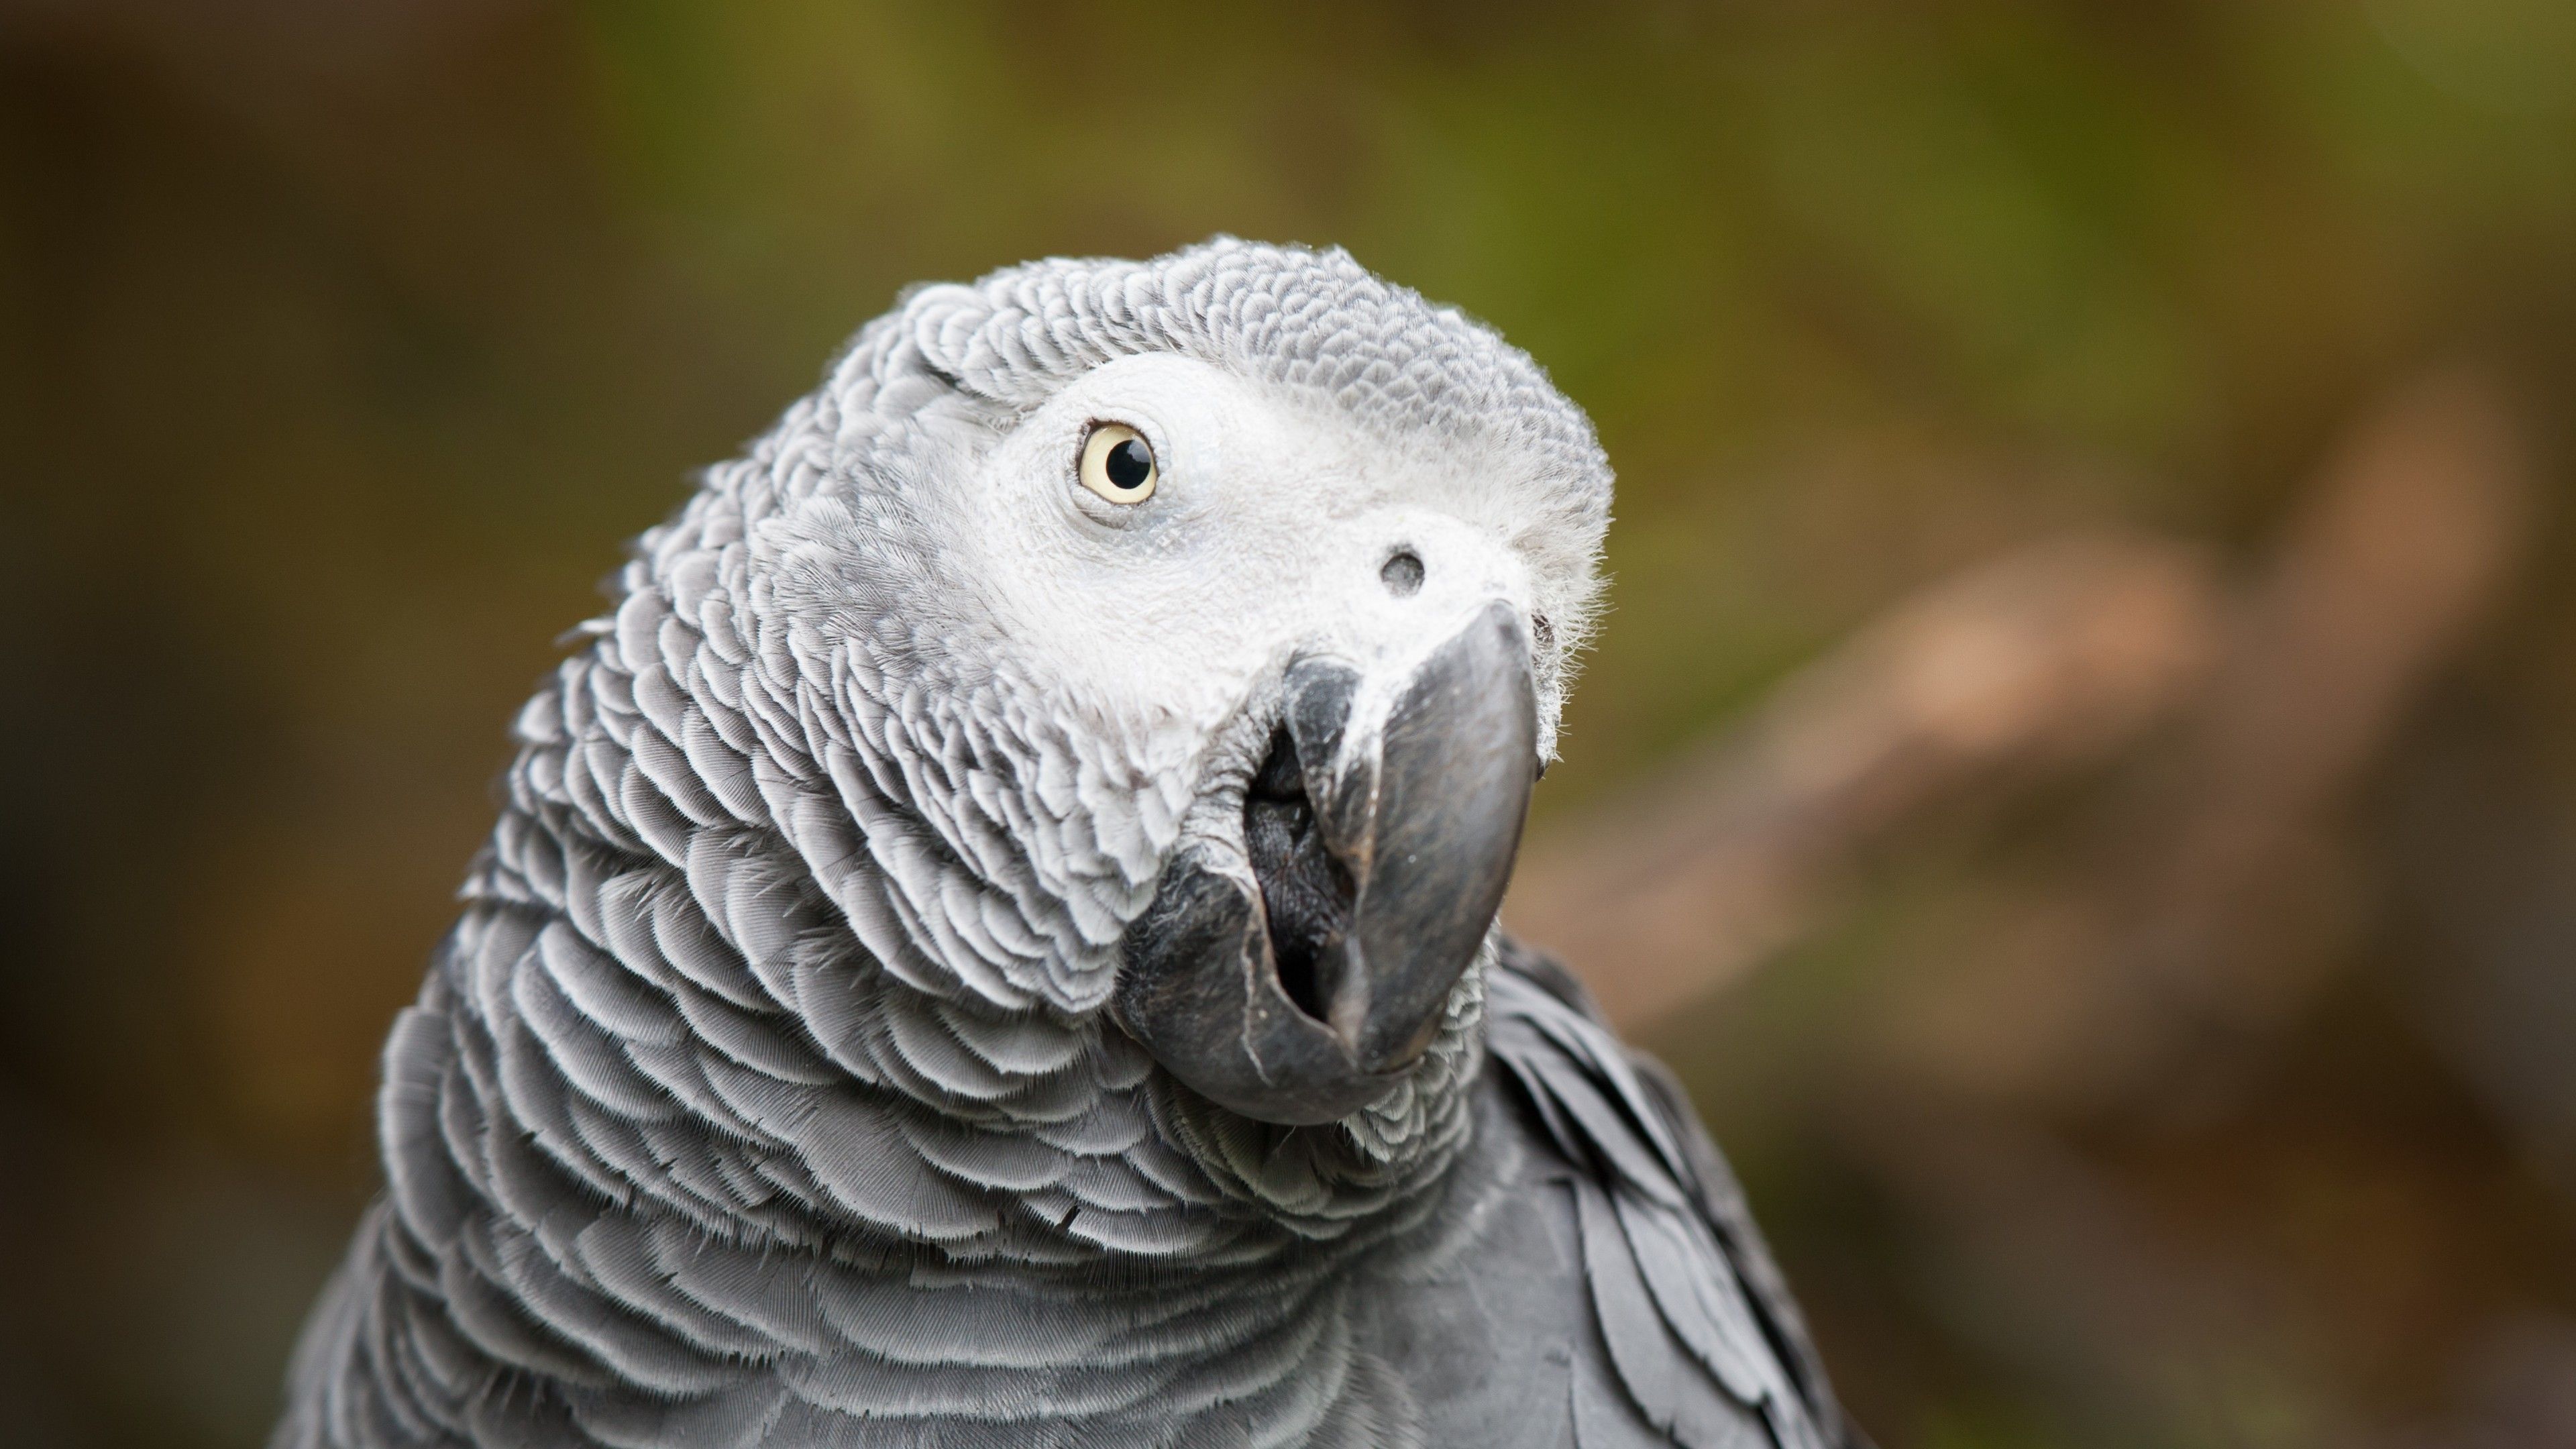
(1130, 464)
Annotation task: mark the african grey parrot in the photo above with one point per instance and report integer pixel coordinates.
(992, 941)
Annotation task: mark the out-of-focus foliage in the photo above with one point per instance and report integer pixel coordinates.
(339, 344)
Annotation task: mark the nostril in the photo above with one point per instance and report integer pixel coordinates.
(1402, 574)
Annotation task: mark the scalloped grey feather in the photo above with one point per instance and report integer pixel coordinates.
(764, 1093)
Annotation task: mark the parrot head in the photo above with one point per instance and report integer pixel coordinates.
(1200, 626)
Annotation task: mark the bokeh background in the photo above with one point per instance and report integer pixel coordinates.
(2080, 774)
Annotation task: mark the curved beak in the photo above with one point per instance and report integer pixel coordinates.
(1296, 982)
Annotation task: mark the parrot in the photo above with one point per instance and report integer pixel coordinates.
(992, 939)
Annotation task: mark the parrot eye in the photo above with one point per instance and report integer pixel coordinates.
(1118, 464)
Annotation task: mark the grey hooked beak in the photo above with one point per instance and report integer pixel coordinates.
(1297, 982)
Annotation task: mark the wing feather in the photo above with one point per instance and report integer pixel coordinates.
(1695, 1323)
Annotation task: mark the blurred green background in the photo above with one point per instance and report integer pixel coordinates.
(340, 346)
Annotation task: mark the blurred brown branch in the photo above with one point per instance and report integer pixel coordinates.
(2210, 898)
(2050, 660)
(2038, 663)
